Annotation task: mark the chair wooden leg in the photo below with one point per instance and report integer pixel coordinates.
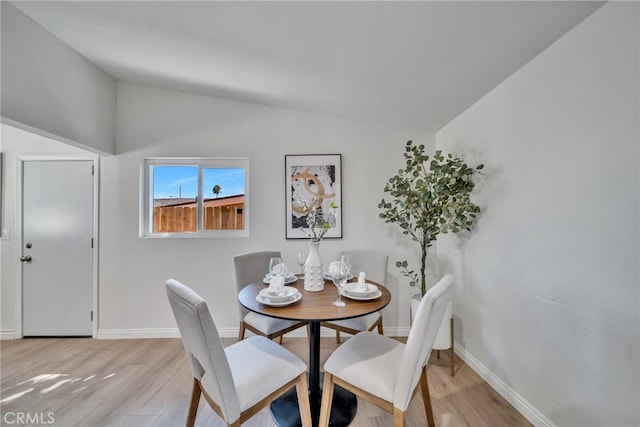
(327, 397)
(241, 331)
(337, 337)
(453, 356)
(302, 389)
(193, 405)
(426, 397)
(280, 339)
(380, 331)
(398, 417)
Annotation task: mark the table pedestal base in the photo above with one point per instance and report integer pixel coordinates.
(285, 412)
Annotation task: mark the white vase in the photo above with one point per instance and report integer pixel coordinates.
(313, 280)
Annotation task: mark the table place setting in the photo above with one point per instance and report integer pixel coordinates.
(279, 268)
(360, 290)
(292, 297)
(277, 295)
(288, 278)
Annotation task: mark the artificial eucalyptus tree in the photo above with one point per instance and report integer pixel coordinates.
(430, 196)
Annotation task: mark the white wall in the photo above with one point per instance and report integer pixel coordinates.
(156, 122)
(547, 296)
(49, 86)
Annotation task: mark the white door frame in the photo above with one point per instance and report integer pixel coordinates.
(19, 193)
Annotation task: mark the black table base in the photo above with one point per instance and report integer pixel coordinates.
(285, 411)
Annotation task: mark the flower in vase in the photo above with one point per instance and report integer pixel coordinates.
(318, 223)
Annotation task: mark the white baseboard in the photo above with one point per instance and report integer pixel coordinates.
(402, 331)
(116, 334)
(527, 410)
(7, 334)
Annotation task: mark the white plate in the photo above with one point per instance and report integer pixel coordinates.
(351, 288)
(288, 275)
(287, 280)
(375, 295)
(266, 301)
(327, 276)
(288, 292)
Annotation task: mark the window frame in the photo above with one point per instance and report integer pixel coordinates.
(146, 195)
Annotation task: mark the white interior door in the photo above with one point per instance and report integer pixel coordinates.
(57, 253)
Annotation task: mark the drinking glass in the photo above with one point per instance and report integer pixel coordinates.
(275, 266)
(339, 278)
(302, 258)
(346, 259)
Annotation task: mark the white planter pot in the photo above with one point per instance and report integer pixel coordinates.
(443, 339)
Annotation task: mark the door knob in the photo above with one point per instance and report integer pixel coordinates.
(26, 258)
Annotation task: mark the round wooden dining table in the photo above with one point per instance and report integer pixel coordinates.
(314, 307)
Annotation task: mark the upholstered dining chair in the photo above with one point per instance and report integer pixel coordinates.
(249, 268)
(241, 379)
(374, 264)
(385, 371)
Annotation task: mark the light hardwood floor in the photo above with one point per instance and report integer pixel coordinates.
(146, 382)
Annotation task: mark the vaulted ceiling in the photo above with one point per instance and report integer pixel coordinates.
(412, 65)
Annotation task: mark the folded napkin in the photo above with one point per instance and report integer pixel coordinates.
(276, 286)
(362, 285)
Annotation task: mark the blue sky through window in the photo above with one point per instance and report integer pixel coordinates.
(182, 181)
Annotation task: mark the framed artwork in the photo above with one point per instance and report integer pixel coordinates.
(313, 180)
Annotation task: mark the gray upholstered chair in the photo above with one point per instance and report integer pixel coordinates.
(385, 371)
(374, 264)
(241, 379)
(250, 268)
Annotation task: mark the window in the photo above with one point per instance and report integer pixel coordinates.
(194, 197)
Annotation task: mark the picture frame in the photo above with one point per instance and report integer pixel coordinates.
(310, 177)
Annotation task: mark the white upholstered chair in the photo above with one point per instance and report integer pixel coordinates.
(250, 268)
(385, 371)
(241, 379)
(374, 264)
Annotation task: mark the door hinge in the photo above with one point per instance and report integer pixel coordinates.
(92, 315)
(92, 243)
(92, 170)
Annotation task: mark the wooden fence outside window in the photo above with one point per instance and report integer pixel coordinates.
(218, 215)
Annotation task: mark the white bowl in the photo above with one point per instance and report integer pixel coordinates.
(287, 293)
(287, 275)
